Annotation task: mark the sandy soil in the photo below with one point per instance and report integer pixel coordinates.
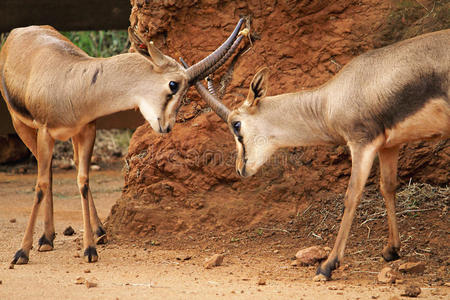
(132, 270)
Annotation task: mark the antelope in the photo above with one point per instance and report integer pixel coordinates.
(377, 102)
(55, 91)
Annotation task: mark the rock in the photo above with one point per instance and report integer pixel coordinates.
(214, 261)
(11, 266)
(320, 278)
(90, 284)
(412, 291)
(87, 271)
(310, 256)
(69, 231)
(387, 275)
(80, 280)
(412, 267)
(95, 168)
(261, 281)
(13, 220)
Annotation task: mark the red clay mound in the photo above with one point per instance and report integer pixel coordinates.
(185, 182)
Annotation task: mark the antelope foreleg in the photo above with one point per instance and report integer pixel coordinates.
(388, 184)
(85, 141)
(97, 226)
(362, 159)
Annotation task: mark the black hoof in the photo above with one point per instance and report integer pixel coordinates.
(390, 254)
(327, 268)
(100, 235)
(20, 258)
(46, 244)
(90, 254)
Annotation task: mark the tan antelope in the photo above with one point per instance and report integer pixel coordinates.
(54, 90)
(377, 102)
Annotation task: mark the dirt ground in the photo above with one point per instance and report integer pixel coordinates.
(172, 268)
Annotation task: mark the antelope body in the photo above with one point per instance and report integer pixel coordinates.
(53, 90)
(377, 102)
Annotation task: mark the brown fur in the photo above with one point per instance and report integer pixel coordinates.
(53, 90)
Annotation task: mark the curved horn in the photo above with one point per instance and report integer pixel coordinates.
(226, 56)
(211, 88)
(216, 105)
(198, 70)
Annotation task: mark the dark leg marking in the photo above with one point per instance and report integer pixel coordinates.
(40, 195)
(327, 268)
(101, 235)
(85, 190)
(45, 241)
(390, 254)
(90, 252)
(20, 255)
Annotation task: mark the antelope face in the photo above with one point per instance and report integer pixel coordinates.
(254, 141)
(163, 98)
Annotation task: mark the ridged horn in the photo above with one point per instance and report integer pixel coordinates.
(200, 69)
(216, 105)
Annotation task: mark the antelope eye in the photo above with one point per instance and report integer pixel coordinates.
(236, 126)
(173, 87)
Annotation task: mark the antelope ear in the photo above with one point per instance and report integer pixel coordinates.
(258, 87)
(138, 44)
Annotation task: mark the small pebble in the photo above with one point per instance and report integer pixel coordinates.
(87, 271)
(69, 231)
(214, 261)
(412, 291)
(13, 220)
(261, 281)
(80, 280)
(90, 284)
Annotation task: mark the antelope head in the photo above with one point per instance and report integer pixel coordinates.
(169, 81)
(251, 125)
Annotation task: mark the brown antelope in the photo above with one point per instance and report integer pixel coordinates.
(378, 101)
(54, 90)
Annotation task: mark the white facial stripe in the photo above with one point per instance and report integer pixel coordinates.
(149, 114)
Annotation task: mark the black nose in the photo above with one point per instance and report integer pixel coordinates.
(168, 129)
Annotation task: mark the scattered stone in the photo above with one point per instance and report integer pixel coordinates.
(95, 168)
(261, 281)
(447, 284)
(412, 291)
(80, 280)
(11, 266)
(375, 296)
(387, 275)
(69, 231)
(320, 278)
(399, 281)
(13, 220)
(87, 271)
(65, 165)
(412, 267)
(214, 261)
(312, 255)
(332, 288)
(77, 255)
(276, 251)
(184, 257)
(90, 284)
(294, 263)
